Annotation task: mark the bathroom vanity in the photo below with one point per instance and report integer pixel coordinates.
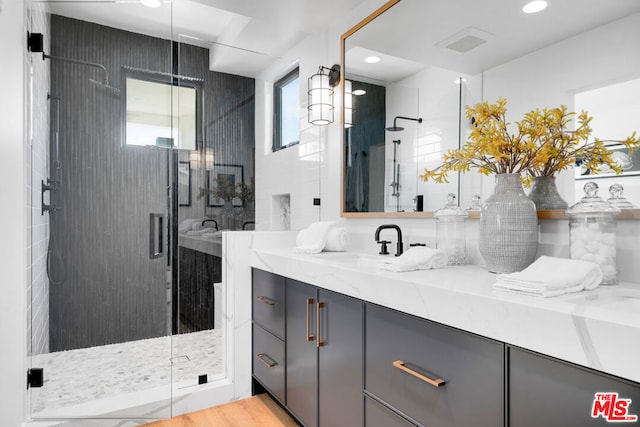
(338, 342)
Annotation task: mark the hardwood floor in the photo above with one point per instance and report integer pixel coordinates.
(259, 411)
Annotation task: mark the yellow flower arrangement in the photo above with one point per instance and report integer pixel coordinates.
(543, 145)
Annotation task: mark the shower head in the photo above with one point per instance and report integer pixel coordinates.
(105, 81)
(396, 128)
(106, 86)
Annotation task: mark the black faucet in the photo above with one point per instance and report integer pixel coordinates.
(399, 246)
(244, 224)
(210, 220)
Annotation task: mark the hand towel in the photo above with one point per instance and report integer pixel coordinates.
(550, 276)
(416, 258)
(337, 240)
(313, 239)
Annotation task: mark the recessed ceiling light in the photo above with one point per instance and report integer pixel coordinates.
(359, 92)
(371, 59)
(534, 6)
(153, 4)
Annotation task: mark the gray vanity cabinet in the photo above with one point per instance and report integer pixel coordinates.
(376, 415)
(268, 301)
(433, 374)
(268, 346)
(549, 392)
(269, 361)
(324, 356)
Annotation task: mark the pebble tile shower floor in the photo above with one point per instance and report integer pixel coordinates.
(78, 376)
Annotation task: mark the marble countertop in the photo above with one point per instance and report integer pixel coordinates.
(209, 244)
(599, 329)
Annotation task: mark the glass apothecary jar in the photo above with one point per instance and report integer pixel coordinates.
(450, 231)
(592, 232)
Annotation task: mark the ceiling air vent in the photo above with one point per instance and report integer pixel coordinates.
(466, 40)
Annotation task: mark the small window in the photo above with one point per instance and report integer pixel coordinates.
(286, 105)
(161, 110)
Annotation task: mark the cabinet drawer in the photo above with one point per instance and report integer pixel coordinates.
(471, 367)
(268, 361)
(268, 301)
(376, 415)
(545, 392)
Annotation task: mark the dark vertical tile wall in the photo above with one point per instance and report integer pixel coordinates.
(107, 289)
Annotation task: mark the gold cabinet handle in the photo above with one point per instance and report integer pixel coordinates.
(400, 365)
(320, 342)
(309, 304)
(266, 300)
(262, 356)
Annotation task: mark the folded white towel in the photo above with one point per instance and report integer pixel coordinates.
(201, 232)
(313, 239)
(416, 258)
(337, 240)
(188, 224)
(549, 276)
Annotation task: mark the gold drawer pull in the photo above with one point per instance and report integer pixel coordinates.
(400, 365)
(262, 356)
(266, 300)
(320, 342)
(309, 304)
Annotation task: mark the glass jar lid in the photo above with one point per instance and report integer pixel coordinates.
(617, 199)
(475, 203)
(451, 209)
(591, 203)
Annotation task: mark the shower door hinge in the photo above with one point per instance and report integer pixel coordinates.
(35, 377)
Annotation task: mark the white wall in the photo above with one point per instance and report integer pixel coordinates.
(13, 255)
(293, 171)
(312, 168)
(616, 115)
(37, 161)
(436, 99)
(552, 76)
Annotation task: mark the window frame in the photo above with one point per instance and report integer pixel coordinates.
(170, 80)
(277, 109)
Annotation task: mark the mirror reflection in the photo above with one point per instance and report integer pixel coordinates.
(430, 59)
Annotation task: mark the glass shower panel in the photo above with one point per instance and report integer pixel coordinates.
(200, 336)
(101, 313)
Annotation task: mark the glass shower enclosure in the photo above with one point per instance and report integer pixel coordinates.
(113, 124)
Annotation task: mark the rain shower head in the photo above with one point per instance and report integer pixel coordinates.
(396, 128)
(105, 85)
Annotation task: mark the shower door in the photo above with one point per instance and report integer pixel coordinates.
(101, 220)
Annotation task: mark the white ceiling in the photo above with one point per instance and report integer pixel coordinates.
(244, 35)
(412, 32)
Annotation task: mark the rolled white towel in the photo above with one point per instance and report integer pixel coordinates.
(337, 240)
(415, 258)
(313, 239)
(550, 276)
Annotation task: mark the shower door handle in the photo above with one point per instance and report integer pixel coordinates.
(156, 230)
